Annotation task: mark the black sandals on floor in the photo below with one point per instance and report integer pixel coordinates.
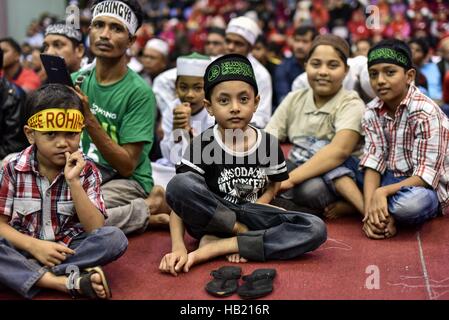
(258, 284)
(225, 281)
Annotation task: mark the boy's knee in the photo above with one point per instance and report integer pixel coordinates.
(116, 241)
(413, 205)
(313, 193)
(319, 231)
(182, 185)
(311, 188)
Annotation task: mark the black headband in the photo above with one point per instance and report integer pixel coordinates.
(389, 55)
(227, 68)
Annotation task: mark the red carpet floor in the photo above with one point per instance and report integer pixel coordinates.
(412, 265)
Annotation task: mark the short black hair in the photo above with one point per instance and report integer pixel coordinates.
(303, 30)
(422, 43)
(52, 96)
(133, 4)
(13, 43)
(217, 30)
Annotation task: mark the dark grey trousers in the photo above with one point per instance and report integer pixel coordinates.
(274, 233)
(316, 193)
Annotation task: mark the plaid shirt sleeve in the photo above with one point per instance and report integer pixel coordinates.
(7, 189)
(375, 150)
(91, 184)
(429, 148)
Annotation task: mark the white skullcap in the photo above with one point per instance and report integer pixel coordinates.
(193, 65)
(244, 27)
(158, 45)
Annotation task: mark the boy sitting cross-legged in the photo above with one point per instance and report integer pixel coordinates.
(406, 158)
(226, 180)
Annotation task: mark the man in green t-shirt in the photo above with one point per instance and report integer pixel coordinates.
(120, 115)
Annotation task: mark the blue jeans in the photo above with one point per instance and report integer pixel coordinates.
(20, 271)
(410, 205)
(274, 233)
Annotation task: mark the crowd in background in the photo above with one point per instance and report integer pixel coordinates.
(184, 24)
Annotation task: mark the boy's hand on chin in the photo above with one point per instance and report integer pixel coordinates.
(73, 167)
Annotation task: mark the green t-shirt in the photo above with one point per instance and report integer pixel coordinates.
(126, 110)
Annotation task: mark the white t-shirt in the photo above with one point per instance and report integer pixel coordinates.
(171, 151)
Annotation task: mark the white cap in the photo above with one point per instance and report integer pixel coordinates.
(193, 65)
(158, 45)
(244, 27)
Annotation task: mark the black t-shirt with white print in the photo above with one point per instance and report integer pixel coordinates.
(235, 176)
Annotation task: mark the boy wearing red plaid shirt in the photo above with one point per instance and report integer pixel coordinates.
(51, 209)
(406, 158)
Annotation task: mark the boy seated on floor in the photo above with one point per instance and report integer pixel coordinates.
(406, 158)
(226, 180)
(185, 118)
(51, 210)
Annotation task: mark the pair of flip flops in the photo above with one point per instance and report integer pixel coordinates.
(256, 285)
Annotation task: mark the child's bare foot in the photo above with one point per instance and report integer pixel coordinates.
(97, 285)
(236, 258)
(391, 228)
(159, 220)
(339, 209)
(156, 201)
(210, 248)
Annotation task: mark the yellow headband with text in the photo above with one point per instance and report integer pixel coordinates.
(69, 120)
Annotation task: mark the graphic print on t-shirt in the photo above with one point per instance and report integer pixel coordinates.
(237, 177)
(241, 183)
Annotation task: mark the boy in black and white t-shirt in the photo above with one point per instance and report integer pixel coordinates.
(228, 177)
(237, 176)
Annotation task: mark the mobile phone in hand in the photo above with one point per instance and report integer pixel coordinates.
(56, 69)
